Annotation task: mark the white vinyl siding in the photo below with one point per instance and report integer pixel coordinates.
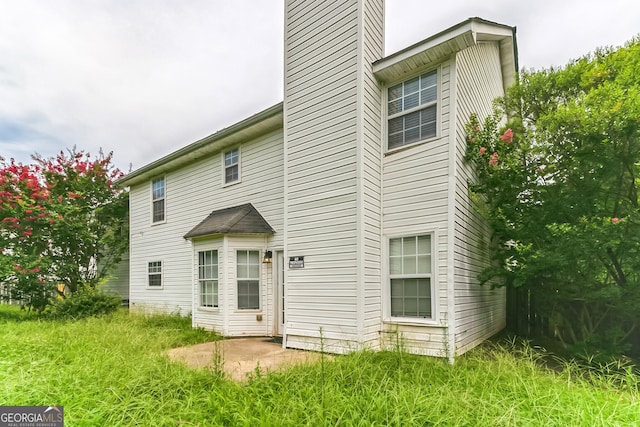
(480, 310)
(208, 278)
(262, 184)
(118, 280)
(158, 200)
(340, 182)
(231, 166)
(415, 199)
(412, 110)
(332, 130)
(154, 277)
(369, 178)
(248, 279)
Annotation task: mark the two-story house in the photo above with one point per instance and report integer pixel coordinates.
(341, 214)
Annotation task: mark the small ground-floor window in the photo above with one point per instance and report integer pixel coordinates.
(248, 274)
(154, 274)
(410, 276)
(208, 278)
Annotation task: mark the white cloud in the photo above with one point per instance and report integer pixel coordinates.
(145, 77)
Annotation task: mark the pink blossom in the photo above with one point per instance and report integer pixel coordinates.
(507, 136)
(493, 160)
(483, 150)
(615, 220)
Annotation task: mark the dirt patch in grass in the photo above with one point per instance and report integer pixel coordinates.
(239, 357)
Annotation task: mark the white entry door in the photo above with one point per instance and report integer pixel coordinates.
(279, 293)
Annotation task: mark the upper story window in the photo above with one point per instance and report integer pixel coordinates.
(232, 166)
(157, 197)
(410, 276)
(412, 110)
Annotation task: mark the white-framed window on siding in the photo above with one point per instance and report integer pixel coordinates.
(208, 278)
(231, 160)
(410, 276)
(158, 200)
(248, 276)
(154, 274)
(412, 110)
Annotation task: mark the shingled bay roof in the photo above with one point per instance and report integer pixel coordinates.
(243, 219)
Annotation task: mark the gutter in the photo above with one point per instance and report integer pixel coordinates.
(271, 119)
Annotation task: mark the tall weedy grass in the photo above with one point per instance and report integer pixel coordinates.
(113, 371)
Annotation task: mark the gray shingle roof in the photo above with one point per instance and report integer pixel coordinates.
(243, 219)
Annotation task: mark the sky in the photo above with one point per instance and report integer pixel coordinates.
(143, 78)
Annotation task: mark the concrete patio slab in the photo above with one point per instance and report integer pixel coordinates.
(241, 356)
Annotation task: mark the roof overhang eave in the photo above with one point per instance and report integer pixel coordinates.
(261, 123)
(443, 45)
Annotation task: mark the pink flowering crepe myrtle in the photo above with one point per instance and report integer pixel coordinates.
(507, 136)
(493, 159)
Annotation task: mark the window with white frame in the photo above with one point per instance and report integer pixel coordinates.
(232, 166)
(157, 197)
(154, 273)
(248, 274)
(208, 278)
(410, 276)
(412, 110)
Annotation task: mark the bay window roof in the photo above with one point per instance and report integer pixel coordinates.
(243, 219)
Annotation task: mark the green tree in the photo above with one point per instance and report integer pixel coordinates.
(62, 224)
(560, 189)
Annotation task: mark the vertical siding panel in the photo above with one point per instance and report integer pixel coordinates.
(414, 201)
(480, 311)
(370, 160)
(332, 138)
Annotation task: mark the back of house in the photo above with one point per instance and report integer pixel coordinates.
(340, 217)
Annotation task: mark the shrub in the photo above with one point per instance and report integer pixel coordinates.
(87, 301)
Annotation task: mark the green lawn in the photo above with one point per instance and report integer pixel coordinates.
(111, 372)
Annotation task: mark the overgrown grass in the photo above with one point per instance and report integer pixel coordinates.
(111, 371)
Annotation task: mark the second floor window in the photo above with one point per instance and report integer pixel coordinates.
(157, 197)
(232, 166)
(412, 110)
